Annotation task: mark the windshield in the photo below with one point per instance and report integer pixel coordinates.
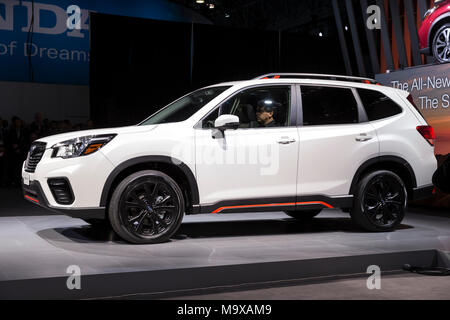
(185, 107)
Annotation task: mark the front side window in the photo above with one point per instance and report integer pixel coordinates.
(377, 105)
(260, 107)
(328, 105)
(183, 108)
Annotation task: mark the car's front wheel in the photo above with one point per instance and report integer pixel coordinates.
(146, 207)
(380, 201)
(441, 44)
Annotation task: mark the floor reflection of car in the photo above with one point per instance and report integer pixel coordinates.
(434, 33)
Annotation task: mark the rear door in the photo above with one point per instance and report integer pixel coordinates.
(335, 139)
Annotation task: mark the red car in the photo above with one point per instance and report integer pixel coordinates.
(434, 33)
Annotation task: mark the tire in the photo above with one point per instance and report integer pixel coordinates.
(441, 44)
(146, 207)
(303, 214)
(380, 201)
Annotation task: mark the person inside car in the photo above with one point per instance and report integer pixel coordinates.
(264, 113)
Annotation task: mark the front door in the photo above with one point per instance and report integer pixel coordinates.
(253, 167)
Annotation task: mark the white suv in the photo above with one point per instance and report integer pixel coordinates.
(291, 142)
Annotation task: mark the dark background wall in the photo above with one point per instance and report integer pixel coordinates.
(139, 65)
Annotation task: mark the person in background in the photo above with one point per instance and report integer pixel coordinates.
(15, 142)
(67, 125)
(3, 154)
(53, 128)
(17, 149)
(441, 177)
(33, 137)
(89, 124)
(46, 127)
(37, 126)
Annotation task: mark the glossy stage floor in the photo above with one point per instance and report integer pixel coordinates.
(209, 252)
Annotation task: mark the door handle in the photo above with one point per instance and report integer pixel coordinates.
(363, 137)
(286, 140)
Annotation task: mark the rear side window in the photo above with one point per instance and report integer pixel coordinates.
(328, 105)
(377, 105)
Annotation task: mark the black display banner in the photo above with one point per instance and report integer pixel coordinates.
(430, 89)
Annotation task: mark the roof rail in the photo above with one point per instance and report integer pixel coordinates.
(316, 76)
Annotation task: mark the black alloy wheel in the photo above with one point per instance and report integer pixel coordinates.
(441, 44)
(380, 202)
(147, 207)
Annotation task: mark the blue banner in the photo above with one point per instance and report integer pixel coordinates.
(52, 46)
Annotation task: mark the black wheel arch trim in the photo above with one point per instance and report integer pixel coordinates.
(432, 30)
(192, 182)
(380, 159)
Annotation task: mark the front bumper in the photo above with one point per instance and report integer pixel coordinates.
(34, 194)
(86, 177)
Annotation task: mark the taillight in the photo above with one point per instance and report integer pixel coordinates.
(427, 132)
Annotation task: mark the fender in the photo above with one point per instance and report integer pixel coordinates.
(438, 20)
(379, 159)
(151, 159)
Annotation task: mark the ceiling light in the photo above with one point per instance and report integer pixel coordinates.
(211, 5)
(320, 34)
(346, 28)
(200, 1)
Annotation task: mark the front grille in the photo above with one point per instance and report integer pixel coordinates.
(61, 190)
(34, 156)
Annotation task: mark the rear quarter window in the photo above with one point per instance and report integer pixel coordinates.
(378, 105)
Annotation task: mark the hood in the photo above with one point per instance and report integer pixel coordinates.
(51, 140)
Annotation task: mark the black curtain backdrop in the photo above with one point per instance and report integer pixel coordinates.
(138, 65)
(229, 54)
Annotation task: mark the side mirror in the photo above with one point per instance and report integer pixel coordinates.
(226, 121)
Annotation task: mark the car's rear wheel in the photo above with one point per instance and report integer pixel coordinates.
(146, 207)
(380, 201)
(303, 214)
(441, 44)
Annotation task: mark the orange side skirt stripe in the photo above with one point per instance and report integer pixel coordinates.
(273, 205)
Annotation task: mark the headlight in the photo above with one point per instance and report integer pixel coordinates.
(80, 146)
